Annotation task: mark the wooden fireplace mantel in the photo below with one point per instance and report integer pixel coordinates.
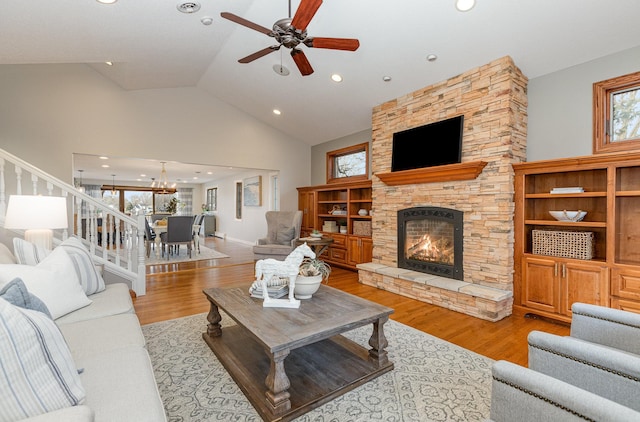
(446, 173)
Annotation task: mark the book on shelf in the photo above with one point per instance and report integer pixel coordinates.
(574, 189)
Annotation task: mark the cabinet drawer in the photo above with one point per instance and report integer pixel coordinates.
(339, 240)
(625, 283)
(338, 255)
(625, 305)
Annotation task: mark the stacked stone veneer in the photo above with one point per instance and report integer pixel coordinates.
(493, 100)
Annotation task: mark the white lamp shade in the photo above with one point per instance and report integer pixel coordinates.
(36, 212)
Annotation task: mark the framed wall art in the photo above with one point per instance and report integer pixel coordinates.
(252, 191)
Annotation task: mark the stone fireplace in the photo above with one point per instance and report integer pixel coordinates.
(430, 241)
(493, 100)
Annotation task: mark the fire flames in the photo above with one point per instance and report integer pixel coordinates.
(431, 250)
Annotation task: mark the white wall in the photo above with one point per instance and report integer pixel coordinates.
(253, 223)
(319, 154)
(560, 106)
(49, 112)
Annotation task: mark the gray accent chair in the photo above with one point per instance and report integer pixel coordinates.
(599, 360)
(283, 228)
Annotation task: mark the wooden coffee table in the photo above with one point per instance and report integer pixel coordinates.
(289, 361)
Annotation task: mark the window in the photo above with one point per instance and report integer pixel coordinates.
(212, 200)
(138, 202)
(275, 193)
(348, 164)
(616, 114)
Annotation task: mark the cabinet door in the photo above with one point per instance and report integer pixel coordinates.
(360, 249)
(583, 282)
(540, 287)
(306, 203)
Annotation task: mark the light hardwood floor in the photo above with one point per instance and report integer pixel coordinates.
(175, 290)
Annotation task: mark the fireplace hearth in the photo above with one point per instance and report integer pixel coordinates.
(430, 241)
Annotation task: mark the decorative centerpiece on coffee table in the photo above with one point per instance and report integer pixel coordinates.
(311, 273)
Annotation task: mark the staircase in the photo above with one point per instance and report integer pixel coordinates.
(121, 255)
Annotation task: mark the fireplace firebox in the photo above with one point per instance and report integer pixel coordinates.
(430, 241)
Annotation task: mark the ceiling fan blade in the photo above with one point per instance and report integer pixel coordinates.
(349, 44)
(305, 13)
(301, 61)
(242, 21)
(258, 54)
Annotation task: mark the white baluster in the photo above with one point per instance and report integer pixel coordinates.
(18, 180)
(34, 183)
(50, 189)
(3, 197)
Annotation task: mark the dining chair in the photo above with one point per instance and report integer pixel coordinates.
(197, 225)
(149, 237)
(179, 231)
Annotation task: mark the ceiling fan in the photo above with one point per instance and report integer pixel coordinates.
(291, 33)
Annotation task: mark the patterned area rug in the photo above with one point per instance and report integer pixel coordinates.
(183, 256)
(433, 380)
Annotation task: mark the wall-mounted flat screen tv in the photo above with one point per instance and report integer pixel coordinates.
(435, 144)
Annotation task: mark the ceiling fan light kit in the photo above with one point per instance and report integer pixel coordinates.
(291, 32)
(465, 5)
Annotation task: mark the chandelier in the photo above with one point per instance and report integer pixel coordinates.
(163, 182)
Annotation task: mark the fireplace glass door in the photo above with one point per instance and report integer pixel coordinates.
(430, 241)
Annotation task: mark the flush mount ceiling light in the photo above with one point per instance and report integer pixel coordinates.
(107, 1)
(432, 58)
(207, 20)
(465, 5)
(281, 70)
(277, 112)
(188, 7)
(109, 63)
(386, 78)
(336, 78)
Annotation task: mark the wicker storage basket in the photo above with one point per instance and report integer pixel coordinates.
(577, 245)
(362, 228)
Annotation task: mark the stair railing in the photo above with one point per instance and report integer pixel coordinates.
(115, 239)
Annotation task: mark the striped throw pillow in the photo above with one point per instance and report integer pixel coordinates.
(38, 373)
(29, 254)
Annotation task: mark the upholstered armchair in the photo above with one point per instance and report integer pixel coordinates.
(599, 360)
(524, 395)
(283, 228)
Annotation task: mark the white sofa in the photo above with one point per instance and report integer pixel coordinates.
(106, 341)
(108, 349)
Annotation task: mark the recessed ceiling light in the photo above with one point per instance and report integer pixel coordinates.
(465, 5)
(107, 1)
(143, 175)
(104, 158)
(109, 63)
(188, 7)
(432, 57)
(336, 78)
(386, 78)
(105, 166)
(277, 112)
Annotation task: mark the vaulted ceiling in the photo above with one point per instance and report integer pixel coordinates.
(154, 45)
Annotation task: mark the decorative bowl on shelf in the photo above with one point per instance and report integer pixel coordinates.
(565, 215)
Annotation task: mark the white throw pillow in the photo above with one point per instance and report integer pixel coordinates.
(38, 373)
(28, 253)
(53, 280)
(92, 282)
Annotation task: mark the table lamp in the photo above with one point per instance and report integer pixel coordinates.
(38, 216)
